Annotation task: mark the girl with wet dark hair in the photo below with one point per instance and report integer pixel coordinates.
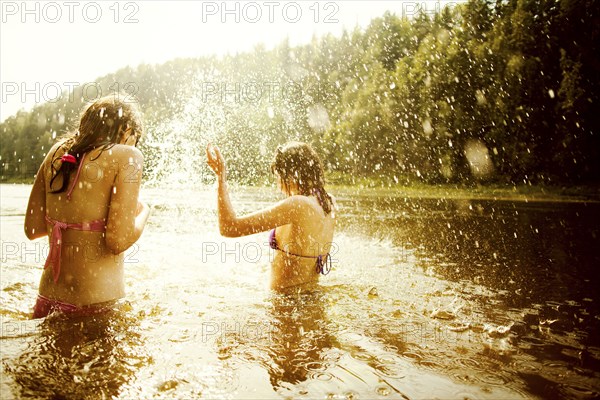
(302, 224)
(85, 199)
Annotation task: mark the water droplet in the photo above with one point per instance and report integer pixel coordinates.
(318, 118)
(478, 156)
(427, 128)
(383, 391)
(480, 96)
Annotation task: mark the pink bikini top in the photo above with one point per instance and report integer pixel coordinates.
(54, 256)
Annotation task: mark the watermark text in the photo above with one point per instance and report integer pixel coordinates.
(53, 12)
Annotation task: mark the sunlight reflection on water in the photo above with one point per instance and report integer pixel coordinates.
(404, 313)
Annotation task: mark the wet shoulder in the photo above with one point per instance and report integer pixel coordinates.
(307, 205)
(124, 153)
(121, 157)
(53, 150)
(53, 153)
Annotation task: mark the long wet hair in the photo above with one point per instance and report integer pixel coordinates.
(298, 163)
(103, 124)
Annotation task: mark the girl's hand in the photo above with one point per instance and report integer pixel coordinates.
(215, 160)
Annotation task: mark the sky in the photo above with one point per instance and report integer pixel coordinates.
(51, 46)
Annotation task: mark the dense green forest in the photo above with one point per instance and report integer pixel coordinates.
(504, 91)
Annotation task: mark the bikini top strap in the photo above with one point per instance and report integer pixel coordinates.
(76, 178)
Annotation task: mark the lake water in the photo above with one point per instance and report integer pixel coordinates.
(427, 298)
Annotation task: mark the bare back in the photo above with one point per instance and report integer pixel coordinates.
(107, 189)
(310, 237)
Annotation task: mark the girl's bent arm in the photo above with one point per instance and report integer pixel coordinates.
(283, 213)
(126, 217)
(35, 216)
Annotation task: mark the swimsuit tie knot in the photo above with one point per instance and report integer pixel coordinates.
(60, 225)
(55, 248)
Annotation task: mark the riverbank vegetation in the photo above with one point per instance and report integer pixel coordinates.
(500, 93)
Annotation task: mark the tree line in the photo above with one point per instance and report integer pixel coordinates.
(496, 91)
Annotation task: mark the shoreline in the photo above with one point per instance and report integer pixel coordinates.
(523, 193)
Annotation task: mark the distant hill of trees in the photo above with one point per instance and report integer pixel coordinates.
(491, 91)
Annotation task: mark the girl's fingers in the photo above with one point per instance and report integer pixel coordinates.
(217, 153)
(214, 159)
(210, 155)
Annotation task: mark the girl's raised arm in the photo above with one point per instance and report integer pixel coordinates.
(285, 212)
